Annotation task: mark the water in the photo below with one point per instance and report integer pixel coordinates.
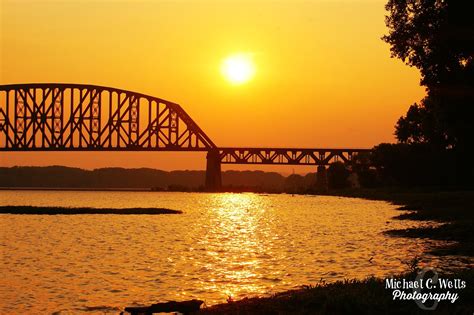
(223, 245)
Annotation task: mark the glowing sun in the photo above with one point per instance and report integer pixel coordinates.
(238, 68)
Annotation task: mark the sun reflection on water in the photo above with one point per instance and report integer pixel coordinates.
(223, 245)
(234, 243)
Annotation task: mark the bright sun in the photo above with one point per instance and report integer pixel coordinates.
(238, 68)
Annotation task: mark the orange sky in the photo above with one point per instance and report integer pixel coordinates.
(324, 78)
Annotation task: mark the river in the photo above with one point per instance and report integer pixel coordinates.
(223, 245)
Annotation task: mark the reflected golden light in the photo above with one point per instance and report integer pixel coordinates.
(233, 244)
(238, 68)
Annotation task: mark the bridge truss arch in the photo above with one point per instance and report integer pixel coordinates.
(57, 117)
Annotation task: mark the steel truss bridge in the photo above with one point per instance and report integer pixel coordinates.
(77, 117)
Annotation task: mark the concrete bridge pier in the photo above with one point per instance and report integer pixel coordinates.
(213, 171)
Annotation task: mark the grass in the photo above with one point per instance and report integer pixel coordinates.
(66, 210)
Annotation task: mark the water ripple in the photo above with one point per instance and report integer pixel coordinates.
(222, 245)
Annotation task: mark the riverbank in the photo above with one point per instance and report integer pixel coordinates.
(369, 296)
(454, 209)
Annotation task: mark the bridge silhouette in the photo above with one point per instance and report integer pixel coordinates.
(78, 117)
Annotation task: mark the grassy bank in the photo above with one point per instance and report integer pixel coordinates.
(66, 210)
(367, 296)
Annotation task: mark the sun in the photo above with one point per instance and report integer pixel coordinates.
(238, 68)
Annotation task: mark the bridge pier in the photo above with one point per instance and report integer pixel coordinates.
(213, 171)
(321, 178)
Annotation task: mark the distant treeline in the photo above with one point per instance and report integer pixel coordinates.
(144, 178)
(387, 165)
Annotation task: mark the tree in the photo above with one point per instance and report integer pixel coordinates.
(410, 128)
(338, 176)
(407, 165)
(421, 126)
(366, 173)
(437, 37)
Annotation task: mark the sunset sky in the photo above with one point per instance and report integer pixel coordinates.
(322, 76)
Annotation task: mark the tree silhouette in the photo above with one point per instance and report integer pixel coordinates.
(421, 126)
(366, 173)
(338, 175)
(437, 37)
